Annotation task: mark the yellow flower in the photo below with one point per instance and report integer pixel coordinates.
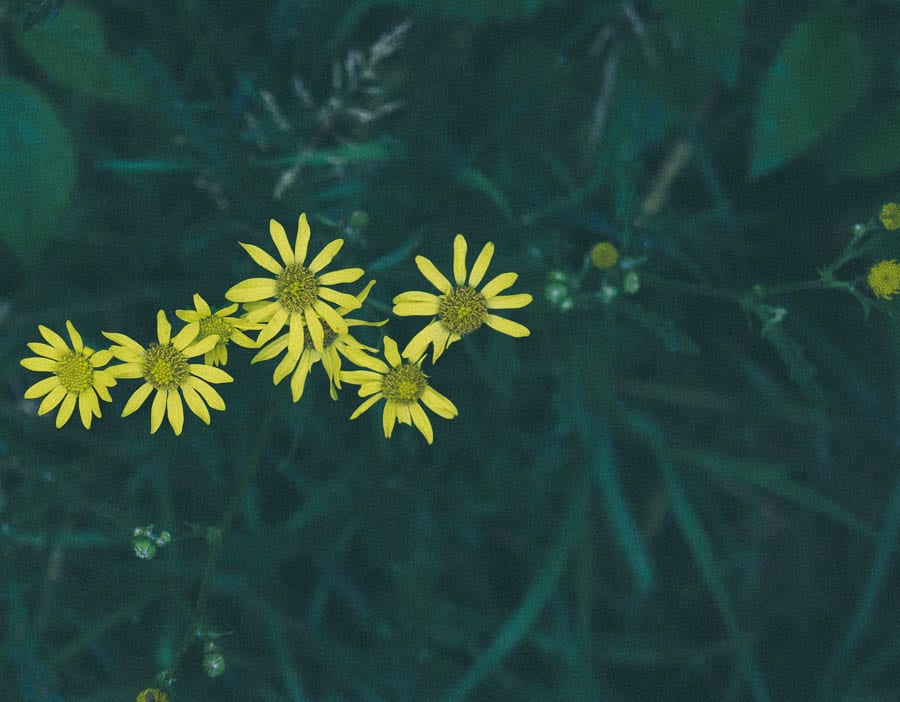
(890, 216)
(334, 346)
(165, 368)
(152, 695)
(298, 296)
(402, 385)
(221, 325)
(884, 279)
(459, 309)
(76, 378)
(604, 255)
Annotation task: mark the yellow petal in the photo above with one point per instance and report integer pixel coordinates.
(89, 397)
(391, 353)
(207, 392)
(419, 343)
(337, 323)
(137, 399)
(420, 419)
(479, 268)
(41, 365)
(298, 380)
(190, 331)
(413, 296)
(175, 410)
(295, 334)
(52, 338)
(344, 275)
(273, 326)
(251, 290)
(198, 348)
(302, 241)
(195, 403)
(77, 343)
(363, 377)
(509, 302)
(263, 313)
(271, 350)
(201, 305)
(498, 284)
(262, 258)
(339, 298)
(388, 418)
(45, 350)
(65, 410)
(438, 404)
(506, 326)
(163, 328)
(416, 309)
(459, 259)
(316, 333)
(54, 397)
(366, 405)
(325, 255)
(209, 373)
(158, 410)
(42, 387)
(126, 342)
(284, 368)
(403, 416)
(279, 236)
(100, 358)
(433, 275)
(84, 408)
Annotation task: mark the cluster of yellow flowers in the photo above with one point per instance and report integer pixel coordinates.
(296, 312)
(884, 276)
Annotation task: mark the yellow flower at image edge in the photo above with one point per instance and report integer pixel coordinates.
(604, 255)
(152, 695)
(884, 279)
(298, 295)
(890, 216)
(402, 385)
(459, 309)
(164, 367)
(77, 378)
(220, 324)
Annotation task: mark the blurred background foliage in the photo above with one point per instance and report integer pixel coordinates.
(687, 490)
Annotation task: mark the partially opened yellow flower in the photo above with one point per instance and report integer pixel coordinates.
(402, 384)
(220, 324)
(459, 309)
(165, 368)
(334, 346)
(76, 376)
(299, 296)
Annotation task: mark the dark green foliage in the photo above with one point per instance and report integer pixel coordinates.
(682, 485)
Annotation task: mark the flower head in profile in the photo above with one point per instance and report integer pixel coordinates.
(402, 385)
(76, 378)
(297, 295)
(884, 279)
(459, 309)
(334, 344)
(219, 324)
(165, 368)
(890, 216)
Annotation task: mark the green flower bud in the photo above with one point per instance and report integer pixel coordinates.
(143, 546)
(631, 282)
(214, 664)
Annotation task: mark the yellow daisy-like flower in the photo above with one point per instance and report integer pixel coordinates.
(299, 296)
(334, 346)
(604, 255)
(152, 695)
(220, 324)
(165, 368)
(460, 309)
(77, 378)
(884, 279)
(890, 216)
(402, 384)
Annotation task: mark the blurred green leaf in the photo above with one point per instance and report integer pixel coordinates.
(710, 29)
(773, 479)
(37, 168)
(479, 182)
(873, 147)
(71, 50)
(816, 77)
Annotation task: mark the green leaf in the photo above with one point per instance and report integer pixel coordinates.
(773, 479)
(816, 77)
(37, 168)
(479, 182)
(71, 50)
(710, 29)
(871, 150)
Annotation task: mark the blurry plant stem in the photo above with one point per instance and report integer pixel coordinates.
(214, 537)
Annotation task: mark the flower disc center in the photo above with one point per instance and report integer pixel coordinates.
(463, 310)
(75, 372)
(165, 367)
(296, 288)
(404, 383)
(214, 325)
